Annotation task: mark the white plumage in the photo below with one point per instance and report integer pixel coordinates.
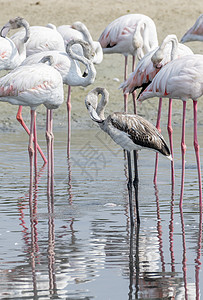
(32, 85)
(77, 31)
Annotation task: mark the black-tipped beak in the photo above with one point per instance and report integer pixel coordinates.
(4, 31)
(94, 116)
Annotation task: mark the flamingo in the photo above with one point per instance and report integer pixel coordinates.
(32, 86)
(78, 30)
(11, 56)
(130, 131)
(146, 70)
(42, 38)
(181, 79)
(195, 33)
(133, 34)
(68, 67)
(30, 40)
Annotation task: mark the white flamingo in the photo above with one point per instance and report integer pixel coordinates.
(146, 70)
(78, 30)
(181, 79)
(133, 34)
(10, 55)
(42, 38)
(68, 67)
(30, 40)
(195, 33)
(32, 86)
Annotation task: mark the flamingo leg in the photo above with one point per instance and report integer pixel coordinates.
(48, 138)
(134, 93)
(159, 129)
(130, 188)
(196, 146)
(125, 77)
(170, 134)
(183, 149)
(52, 153)
(35, 146)
(69, 119)
(31, 153)
(20, 120)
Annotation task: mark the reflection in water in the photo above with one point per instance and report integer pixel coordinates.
(197, 260)
(184, 268)
(82, 247)
(51, 245)
(151, 284)
(171, 231)
(69, 188)
(159, 229)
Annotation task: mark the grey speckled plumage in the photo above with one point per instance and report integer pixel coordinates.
(140, 131)
(130, 131)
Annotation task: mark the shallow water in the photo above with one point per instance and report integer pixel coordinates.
(85, 249)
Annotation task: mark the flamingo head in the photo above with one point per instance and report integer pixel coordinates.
(157, 59)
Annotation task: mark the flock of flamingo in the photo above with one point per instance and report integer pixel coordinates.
(41, 59)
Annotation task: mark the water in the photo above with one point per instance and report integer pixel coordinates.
(85, 249)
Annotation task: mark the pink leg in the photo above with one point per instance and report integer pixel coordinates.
(48, 138)
(170, 134)
(52, 153)
(69, 119)
(134, 93)
(125, 77)
(35, 146)
(31, 153)
(20, 120)
(159, 129)
(183, 149)
(196, 146)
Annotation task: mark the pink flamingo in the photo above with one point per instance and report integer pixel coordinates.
(195, 33)
(11, 56)
(146, 70)
(133, 34)
(31, 86)
(78, 31)
(181, 79)
(68, 66)
(34, 39)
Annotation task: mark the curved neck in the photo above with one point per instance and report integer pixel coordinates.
(137, 40)
(25, 24)
(103, 102)
(83, 29)
(74, 55)
(90, 69)
(172, 38)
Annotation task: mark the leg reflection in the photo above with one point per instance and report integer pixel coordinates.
(51, 247)
(197, 260)
(184, 254)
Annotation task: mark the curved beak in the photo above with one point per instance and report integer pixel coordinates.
(93, 115)
(5, 29)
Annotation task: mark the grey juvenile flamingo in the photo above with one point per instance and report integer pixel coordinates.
(130, 131)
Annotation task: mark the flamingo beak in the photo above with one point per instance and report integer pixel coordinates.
(93, 115)
(4, 31)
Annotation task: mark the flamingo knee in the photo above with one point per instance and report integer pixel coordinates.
(183, 147)
(30, 151)
(196, 146)
(170, 129)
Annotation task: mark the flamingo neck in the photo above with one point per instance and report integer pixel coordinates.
(103, 102)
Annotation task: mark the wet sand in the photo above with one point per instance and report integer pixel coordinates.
(170, 17)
